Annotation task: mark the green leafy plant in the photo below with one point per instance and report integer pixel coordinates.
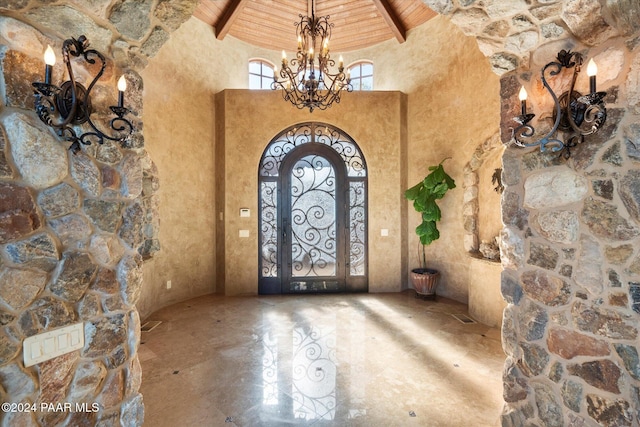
(424, 195)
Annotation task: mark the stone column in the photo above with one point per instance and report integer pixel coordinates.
(74, 229)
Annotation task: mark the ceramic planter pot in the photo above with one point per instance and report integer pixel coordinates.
(424, 281)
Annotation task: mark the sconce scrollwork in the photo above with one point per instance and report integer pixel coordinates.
(574, 114)
(69, 105)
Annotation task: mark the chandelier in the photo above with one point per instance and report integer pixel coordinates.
(303, 81)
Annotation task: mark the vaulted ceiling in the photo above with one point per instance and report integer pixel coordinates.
(270, 23)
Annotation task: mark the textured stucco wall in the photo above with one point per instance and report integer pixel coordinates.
(180, 134)
(453, 107)
(485, 300)
(252, 119)
(182, 142)
(180, 86)
(489, 224)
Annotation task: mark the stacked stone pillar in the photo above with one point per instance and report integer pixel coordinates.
(75, 229)
(569, 246)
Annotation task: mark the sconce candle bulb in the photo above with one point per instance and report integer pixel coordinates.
(49, 61)
(592, 70)
(69, 105)
(523, 100)
(122, 86)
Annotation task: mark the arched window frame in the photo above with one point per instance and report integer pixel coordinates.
(265, 78)
(358, 76)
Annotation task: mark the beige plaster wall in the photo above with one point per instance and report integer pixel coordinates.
(253, 118)
(437, 120)
(489, 222)
(485, 299)
(453, 107)
(179, 87)
(180, 84)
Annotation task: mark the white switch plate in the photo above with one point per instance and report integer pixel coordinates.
(384, 232)
(243, 233)
(50, 344)
(168, 284)
(245, 213)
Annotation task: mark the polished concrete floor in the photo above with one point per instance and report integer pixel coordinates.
(320, 360)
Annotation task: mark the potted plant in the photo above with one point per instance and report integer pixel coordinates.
(424, 195)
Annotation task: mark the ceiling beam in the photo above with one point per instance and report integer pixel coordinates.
(230, 15)
(391, 19)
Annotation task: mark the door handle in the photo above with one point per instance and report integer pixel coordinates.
(284, 231)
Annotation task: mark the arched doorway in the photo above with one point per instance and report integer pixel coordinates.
(312, 212)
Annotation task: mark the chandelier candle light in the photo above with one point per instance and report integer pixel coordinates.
(69, 105)
(303, 82)
(575, 114)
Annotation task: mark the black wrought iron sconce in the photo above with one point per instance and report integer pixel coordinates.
(574, 114)
(69, 105)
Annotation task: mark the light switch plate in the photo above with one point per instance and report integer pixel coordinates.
(243, 233)
(50, 344)
(384, 232)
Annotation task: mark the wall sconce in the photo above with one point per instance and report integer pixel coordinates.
(575, 114)
(70, 104)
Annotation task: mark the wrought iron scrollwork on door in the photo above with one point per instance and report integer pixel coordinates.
(305, 230)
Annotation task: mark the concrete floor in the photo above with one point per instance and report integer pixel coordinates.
(321, 360)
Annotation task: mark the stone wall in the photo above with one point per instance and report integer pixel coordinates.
(571, 266)
(75, 229)
(571, 277)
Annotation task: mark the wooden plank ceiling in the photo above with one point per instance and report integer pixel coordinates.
(271, 23)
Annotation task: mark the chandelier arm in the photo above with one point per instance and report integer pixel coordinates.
(526, 131)
(68, 134)
(596, 114)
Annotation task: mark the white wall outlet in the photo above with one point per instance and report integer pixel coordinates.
(384, 232)
(168, 284)
(243, 233)
(245, 213)
(50, 344)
